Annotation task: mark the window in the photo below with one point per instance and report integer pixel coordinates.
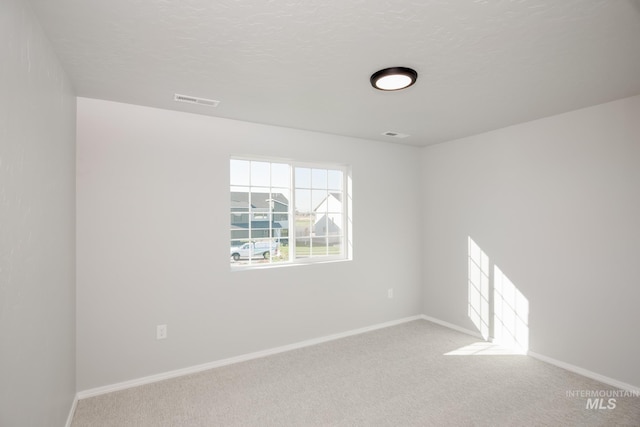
(286, 213)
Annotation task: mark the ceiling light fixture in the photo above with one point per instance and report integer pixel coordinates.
(394, 78)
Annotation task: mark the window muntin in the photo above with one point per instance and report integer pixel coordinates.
(286, 213)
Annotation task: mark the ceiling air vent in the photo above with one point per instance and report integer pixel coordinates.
(395, 134)
(195, 100)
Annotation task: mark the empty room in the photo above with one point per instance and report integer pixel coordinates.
(432, 212)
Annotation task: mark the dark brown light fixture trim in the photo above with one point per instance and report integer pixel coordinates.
(394, 78)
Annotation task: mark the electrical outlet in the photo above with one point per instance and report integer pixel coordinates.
(161, 332)
(390, 293)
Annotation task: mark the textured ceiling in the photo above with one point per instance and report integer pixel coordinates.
(306, 64)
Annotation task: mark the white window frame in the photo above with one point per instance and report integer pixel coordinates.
(346, 223)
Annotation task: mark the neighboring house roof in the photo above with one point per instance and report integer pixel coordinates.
(240, 200)
(337, 196)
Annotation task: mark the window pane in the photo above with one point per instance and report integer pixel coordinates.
(335, 245)
(280, 199)
(260, 174)
(319, 247)
(320, 226)
(303, 177)
(239, 219)
(259, 226)
(303, 227)
(319, 200)
(260, 204)
(280, 218)
(239, 172)
(284, 236)
(334, 202)
(258, 251)
(303, 247)
(280, 226)
(239, 236)
(303, 201)
(319, 178)
(280, 175)
(239, 199)
(334, 224)
(335, 180)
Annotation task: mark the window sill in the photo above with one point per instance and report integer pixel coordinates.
(286, 264)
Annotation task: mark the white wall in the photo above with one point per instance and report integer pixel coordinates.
(153, 232)
(37, 230)
(555, 204)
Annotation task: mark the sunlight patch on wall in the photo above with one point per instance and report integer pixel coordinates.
(510, 313)
(478, 281)
(496, 307)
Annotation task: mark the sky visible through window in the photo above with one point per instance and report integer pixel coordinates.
(283, 212)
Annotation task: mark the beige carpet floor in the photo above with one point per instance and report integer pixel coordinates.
(397, 376)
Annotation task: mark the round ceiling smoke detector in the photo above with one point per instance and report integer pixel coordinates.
(394, 78)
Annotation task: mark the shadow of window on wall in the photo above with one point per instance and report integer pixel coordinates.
(496, 307)
(478, 281)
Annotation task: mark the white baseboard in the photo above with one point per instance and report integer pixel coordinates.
(452, 326)
(72, 411)
(264, 353)
(569, 367)
(585, 373)
(242, 358)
